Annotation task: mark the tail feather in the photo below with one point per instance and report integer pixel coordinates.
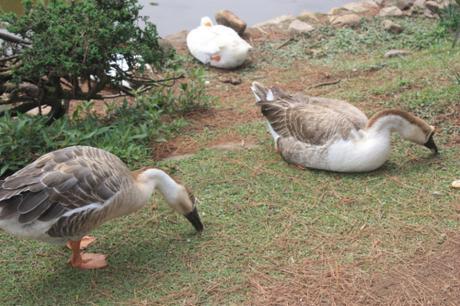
(259, 91)
(273, 107)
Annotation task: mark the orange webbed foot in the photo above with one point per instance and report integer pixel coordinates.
(85, 242)
(89, 261)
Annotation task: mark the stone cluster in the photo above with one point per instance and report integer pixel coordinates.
(349, 15)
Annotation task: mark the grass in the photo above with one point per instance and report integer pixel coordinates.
(262, 215)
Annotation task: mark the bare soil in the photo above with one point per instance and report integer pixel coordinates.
(211, 119)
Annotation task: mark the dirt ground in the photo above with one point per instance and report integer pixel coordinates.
(429, 278)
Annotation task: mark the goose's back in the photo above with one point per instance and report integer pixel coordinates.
(312, 120)
(60, 192)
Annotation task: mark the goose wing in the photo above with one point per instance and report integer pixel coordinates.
(77, 179)
(351, 112)
(311, 123)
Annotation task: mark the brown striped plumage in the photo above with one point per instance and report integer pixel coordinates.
(334, 135)
(61, 181)
(308, 119)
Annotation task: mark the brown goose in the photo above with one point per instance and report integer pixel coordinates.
(334, 135)
(65, 194)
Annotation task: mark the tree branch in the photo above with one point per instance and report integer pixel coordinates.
(14, 39)
(8, 58)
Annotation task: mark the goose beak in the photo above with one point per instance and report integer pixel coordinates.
(431, 145)
(194, 218)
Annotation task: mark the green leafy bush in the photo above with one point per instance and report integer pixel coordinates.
(127, 130)
(70, 50)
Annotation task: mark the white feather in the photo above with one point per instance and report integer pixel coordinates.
(206, 41)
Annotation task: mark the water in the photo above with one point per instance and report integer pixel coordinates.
(172, 16)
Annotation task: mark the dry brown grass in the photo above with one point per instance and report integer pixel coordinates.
(431, 278)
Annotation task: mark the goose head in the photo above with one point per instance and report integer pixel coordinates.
(422, 135)
(409, 127)
(206, 22)
(418, 131)
(179, 198)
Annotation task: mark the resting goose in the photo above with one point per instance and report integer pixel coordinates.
(65, 194)
(217, 45)
(334, 135)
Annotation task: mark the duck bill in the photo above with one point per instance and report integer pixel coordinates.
(194, 218)
(431, 145)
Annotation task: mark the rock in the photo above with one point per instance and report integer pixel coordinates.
(401, 4)
(338, 11)
(229, 19)
(433, 6)
(309, 17)
(300, 27)
(418, 7)
(456, 184)
(379, 2)
(392, 27)
(278, 21)
(361, 7)
(349, 20)
(446, 3)
(429, 14)
(394, 53)
(419, 4)
(390, 11)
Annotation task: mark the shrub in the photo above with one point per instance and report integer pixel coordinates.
(128, 130)
(64, 44)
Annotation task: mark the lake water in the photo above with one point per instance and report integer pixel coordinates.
(172, 16)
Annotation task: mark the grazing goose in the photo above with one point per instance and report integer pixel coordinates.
(66, 193)
(217, 45)
(334, 135)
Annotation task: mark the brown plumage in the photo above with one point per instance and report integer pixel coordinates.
(65, 194)
(307, 119)
(61, 181)
(334, 135)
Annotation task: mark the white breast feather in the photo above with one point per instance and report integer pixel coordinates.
(358, 155)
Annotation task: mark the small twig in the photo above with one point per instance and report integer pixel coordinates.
(325, 84)
(286, 43)
(8, 58)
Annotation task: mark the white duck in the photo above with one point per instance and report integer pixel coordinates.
(217, 45)
(334, 135)
(66, 193)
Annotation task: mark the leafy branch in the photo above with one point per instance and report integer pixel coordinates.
(78, 50)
